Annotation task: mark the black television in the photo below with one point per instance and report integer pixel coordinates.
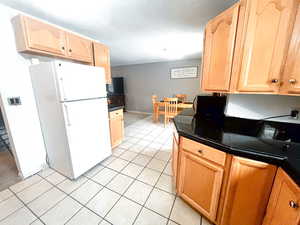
(116, 86)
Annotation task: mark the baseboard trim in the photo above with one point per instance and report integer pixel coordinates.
(139, 112)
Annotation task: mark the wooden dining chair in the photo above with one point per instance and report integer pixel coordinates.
(171, 106)
(156, 109)
(181, 97)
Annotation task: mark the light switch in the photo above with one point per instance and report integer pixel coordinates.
(14, 101)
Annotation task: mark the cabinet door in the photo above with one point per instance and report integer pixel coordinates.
(291, 77)
(102, 58)
(175, 153)
(283, 208)
(219, 44)
(43, 37)
(116, 130)
(200, 184)
(248, 190)
(79, 48)
(266, 34)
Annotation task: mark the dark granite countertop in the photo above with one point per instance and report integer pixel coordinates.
(112, 107)
(266, 141)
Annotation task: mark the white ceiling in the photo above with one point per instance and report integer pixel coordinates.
(137, 31)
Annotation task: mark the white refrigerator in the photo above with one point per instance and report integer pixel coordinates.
(72, 106)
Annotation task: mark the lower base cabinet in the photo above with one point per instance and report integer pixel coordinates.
(116, 124)
(283, 207)
(200, 183)
(248, 190)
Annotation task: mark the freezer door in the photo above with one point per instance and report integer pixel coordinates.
(87, 127)
(77, 81)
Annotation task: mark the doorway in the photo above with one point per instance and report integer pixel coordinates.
(8, 168)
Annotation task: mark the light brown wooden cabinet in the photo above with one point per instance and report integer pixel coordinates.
(37, 37)
(248, 190)
(219, 45)
(79, 48)
(102, 58)
(261, 45)
(116, 123)
(283, 207)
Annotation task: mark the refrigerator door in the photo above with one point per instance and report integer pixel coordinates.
(78, 82)
(87, 128)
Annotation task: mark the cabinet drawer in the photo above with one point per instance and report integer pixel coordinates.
(204, 151)
(116, 113)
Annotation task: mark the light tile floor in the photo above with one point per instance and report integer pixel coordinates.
(133, 186)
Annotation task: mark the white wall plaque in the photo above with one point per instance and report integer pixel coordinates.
(184, 72)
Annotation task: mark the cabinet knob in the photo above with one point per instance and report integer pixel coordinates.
(293, 204)
(63, 48)
(200, 151)
(292, 81)
(70, 50)
(275, 81)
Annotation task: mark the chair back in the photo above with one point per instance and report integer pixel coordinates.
(181, 97)
(154, 99)
(171, 106)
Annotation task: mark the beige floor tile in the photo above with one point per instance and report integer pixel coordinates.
(92, 172)
(132, 170)
(143, 143)
(34, 191)
(108, 160)
(25, 183)
(172, 223)
(162, 155)
(103, 202)
(118, 151)
(205, 222)
(47, 200)
(165, 183)
(149, 176)
(37, 222)
(141, 160)
(69, 186)
(22, 216)
(85, 217)
(9, 206)
(46, 172)
(184, 214)
(138, 192)
(120, 183)
(132, 140)
(5, 194)
(148, 217)
(124, 212)
(160, 202)
(125, 145)
(55, 178)
(62, 212)
(136, 148)
(157, 164)
(118, 164)
(128, 155)
(168, 169)
(104, 176)
(149, 152)
(104, 222)
(88, 190)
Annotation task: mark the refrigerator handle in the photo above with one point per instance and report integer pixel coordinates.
(67, 115)
(63, 88)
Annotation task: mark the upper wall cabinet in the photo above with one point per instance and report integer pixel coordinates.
(264, 45)
(219, 40)
(265, 37)
(102, 58)
(291, 75)
(33, 36)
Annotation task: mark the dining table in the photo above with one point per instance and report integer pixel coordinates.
(161, 104)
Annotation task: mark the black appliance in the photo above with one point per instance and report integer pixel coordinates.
(211, 107)
(115, 92)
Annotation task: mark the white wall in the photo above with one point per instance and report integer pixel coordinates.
(22, 121)
(262, 106)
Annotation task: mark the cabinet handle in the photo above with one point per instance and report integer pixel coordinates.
(292, 81)
(275, 81)
(200, 151)
(293, 204)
